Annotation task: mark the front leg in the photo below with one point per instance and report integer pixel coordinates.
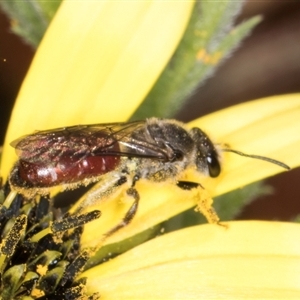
(188, 185)
(204, 200)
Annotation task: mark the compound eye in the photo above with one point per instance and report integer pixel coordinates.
(214, 167)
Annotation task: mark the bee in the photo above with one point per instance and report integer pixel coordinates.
(116, 153)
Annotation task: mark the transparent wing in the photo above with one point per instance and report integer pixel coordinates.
(77, 142)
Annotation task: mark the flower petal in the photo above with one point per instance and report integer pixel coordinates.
(247, 260)
(268, 127)
(96, 63)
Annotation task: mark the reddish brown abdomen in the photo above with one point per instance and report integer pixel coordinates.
(66, 170)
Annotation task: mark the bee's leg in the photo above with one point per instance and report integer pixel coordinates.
(108, 185)
(188, 185)
(129, 215)
(204, 200)
(131, 212)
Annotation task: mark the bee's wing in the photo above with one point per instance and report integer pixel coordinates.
(50, 146)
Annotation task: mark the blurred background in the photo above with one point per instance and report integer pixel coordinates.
(266, 64)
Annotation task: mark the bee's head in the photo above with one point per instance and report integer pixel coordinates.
(208, 160)
(207, 157)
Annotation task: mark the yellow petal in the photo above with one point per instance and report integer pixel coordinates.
(96, 63)
(268, 127)
(158, 202)
(247, 260)
(275, 119)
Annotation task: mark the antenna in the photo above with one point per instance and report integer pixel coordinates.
(273, 161)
